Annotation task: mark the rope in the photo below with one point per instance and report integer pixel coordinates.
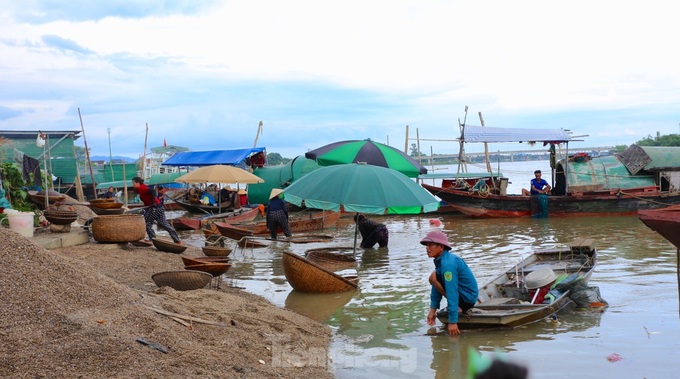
(620, 193)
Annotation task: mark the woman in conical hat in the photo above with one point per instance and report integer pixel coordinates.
(277, 214)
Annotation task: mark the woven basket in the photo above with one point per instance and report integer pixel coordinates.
(182, 280)
(332, 258)
(168, 246)
(118, 228)
(107, 212)
(107, 205)
(214, 269)
(201, 260)
(215, 251)
(306, 276)
(61, 217)
(102, 200)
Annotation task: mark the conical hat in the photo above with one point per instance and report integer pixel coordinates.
(275, 192)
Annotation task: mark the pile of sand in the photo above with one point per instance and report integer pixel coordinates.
(78, 312)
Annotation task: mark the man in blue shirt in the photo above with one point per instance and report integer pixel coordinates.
(452, 278)
(539, 186)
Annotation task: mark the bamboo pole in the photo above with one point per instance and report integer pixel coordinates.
(146, 137)
(79, 185)
(87, 154)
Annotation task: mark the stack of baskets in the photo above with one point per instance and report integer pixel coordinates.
(118, 228)
(106, 206)
(60, 217)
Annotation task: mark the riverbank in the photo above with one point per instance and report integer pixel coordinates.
(85, 311)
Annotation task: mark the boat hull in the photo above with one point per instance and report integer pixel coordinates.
(665, 221)
(603, 203)
(504, 303)
(196, 223)
(298, 224)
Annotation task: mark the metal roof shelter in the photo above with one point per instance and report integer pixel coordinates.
(58, 149)
(472, 133)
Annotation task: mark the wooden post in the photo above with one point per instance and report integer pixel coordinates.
(406, 142)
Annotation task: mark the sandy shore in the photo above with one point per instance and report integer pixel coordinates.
(82, 312)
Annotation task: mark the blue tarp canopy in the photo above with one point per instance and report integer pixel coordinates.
(474, 133)
(233, 157)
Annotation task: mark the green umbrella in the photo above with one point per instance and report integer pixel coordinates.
(360, 188)
(369, 152)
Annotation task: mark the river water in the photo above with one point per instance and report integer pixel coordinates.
(380, 330)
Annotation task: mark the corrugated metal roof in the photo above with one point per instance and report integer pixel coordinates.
(662, 158)
(474, 133)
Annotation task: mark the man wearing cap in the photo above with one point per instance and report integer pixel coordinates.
(539, 186)
(452, 278)
(277, 214)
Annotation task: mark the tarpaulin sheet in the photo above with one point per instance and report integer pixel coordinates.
(233, 157)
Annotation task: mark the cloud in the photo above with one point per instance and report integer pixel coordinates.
(43, 11)
(64, 45)
(203, 74)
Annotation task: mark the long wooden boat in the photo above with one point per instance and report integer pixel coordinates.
(306, 276)
(302, 222)
(616, 202)
(196, 223)
(665, 221)
(506, 303)
(201, 208)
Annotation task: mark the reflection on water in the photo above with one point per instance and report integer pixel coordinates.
(380, 330)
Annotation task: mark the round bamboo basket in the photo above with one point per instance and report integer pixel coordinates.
(212, 268)
(61, 217)
(306, 276)
(118, 228)
(214, 251)
(182, 280)
(332, 258)
(168, 246)
(107, 205)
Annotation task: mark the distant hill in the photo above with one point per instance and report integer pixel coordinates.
(115, 158)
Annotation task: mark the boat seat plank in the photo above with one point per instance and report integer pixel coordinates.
(499, 301)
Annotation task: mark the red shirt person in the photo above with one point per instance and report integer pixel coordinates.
(154, 211)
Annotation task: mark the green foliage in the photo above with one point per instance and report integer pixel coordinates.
(659, 140)
(414, 151)
(620, 148)
(13, 182)
(275, 159)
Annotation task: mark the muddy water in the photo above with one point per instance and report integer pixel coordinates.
(380, 330)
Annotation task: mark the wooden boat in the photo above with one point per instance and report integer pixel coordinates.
(201, 260)
(506, 303)
(302, 222)
(38, 197)
(306, 276)
(196, 223)
(665, 221)
(613, 185)
(201, 208)
(597, 203)
(231, 231)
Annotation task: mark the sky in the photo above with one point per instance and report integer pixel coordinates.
(203, 73)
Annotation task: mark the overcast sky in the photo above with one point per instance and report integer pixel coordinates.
(204, 73)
